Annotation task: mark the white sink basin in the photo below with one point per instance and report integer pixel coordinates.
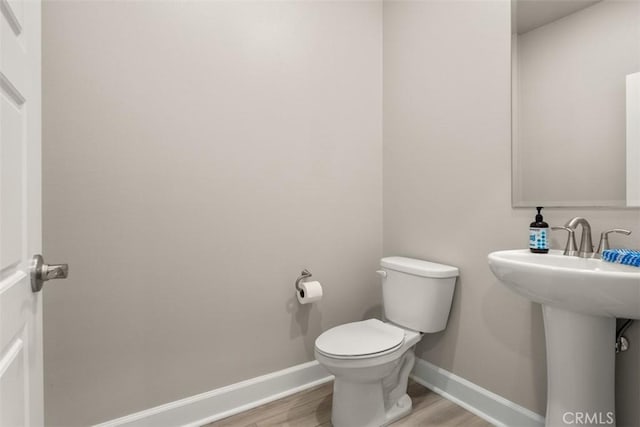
(583, 285)
(580, 300)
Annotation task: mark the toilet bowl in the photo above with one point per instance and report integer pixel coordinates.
(371, 359)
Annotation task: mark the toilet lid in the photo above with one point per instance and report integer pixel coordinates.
(360, 338)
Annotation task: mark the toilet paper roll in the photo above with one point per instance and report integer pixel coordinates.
(310, 292)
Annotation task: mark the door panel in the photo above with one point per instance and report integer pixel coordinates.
(13, 50)
(11, 185)
(13, 10)
(20, 215)
(14, 384)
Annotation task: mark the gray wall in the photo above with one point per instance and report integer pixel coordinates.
(447, 192)
(188, 190)
(571, 105)
(196, 157)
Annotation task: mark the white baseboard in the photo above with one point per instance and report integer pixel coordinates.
(487, 405)
(226, 401)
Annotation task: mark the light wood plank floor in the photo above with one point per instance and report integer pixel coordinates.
(312, 408)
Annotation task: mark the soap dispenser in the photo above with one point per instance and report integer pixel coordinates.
(538, 235)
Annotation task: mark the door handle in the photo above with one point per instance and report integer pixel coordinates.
(41, 272)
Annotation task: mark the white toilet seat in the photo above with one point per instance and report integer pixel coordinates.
(360, 340)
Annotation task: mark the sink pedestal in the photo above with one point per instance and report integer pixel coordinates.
(580, 368)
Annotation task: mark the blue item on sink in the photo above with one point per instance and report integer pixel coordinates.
(622, 256)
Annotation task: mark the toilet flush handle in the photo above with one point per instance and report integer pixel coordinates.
(382, 273)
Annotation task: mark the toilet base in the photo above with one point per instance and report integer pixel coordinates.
(363, 408)
(401, 409)
(361, 414)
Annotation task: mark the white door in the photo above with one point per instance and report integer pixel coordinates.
(21, 402)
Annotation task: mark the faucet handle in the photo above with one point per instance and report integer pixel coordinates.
(617, 230)
(571, 248)
(604, 240)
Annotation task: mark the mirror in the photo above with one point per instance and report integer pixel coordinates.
(576, 103)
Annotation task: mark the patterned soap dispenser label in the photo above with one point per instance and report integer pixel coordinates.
(538, 238)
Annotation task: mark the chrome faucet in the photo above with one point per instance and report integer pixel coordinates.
(586, 244)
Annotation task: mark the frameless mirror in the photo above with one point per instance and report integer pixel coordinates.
(576, 103)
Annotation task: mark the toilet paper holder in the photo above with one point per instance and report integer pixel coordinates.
(305, 274)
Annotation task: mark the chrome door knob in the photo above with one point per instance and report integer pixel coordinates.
(41, 272)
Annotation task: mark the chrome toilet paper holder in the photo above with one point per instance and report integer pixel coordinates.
(305, 274)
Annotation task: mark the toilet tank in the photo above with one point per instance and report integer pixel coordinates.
(417, 294)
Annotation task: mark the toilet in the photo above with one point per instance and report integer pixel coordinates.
(372, 359)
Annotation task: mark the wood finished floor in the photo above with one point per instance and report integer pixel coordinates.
(312, 408)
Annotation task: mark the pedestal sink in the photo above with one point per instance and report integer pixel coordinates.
(581, 299)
